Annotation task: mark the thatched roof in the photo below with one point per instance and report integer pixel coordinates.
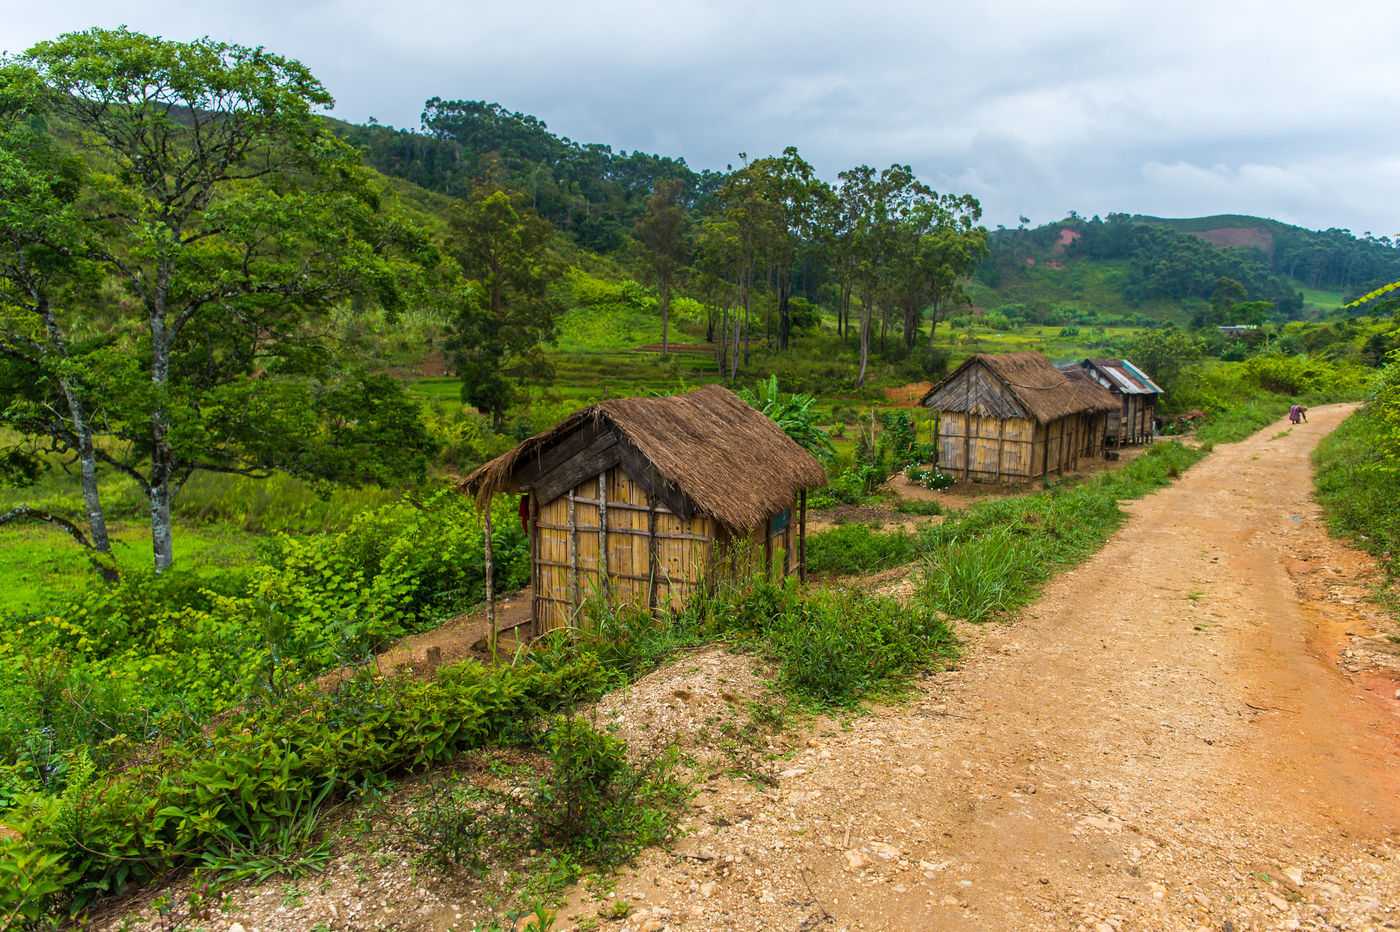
(1044, 392)
(724, 458)
(1084, 380)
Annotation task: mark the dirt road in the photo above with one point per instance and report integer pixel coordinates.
(1170, 738)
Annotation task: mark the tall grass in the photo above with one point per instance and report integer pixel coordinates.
(1360, 497)
(859, 548)
(976, 578)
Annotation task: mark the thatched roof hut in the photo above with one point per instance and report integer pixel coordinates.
(693, 485)
(1014, 417)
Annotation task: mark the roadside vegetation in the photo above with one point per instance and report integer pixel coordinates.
(210, 499)
(1358, 478)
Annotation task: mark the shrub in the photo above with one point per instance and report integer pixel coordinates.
(838, 646)
(858, 548)
(976, 578)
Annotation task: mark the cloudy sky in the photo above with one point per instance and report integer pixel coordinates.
(1282, 109)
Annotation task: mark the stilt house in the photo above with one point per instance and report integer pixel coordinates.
(645, 500)
(1015, 417)
(1132, 420)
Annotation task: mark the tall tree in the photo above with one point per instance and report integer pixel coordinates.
(226, 222)
(661, 234)
(41, 362)
(877, 206)
(787, 221)
(508, 307)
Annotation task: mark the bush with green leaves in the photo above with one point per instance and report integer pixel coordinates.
(859, 548)
(796, 414)
(244, 797)
(838, 646)
(153, 656)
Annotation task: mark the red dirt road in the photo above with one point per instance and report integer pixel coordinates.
(1168, 739)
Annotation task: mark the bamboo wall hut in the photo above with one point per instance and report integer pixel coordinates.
(644, 500)
(1015, 417)
(1135, 414)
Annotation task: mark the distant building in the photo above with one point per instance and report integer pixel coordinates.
(1015, 417)
(1136, 394)
(1236, 330)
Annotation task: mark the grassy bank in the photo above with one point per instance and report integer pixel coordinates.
(1359, 490)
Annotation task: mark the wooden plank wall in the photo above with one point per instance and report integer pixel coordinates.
(988, 449)
(633, 551)
(1133, 423)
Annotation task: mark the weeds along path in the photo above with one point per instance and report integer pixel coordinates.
(1170, 738)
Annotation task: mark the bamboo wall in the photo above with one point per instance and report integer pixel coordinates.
(649, 555)
(1132, 423)
(992, 449)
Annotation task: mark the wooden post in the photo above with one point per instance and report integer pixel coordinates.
(1064, 435)
(490, 584)
(802, 538)
(653, 558)
(532, 515)
(573, 557)
(1001, 443)
(967, 428)
(768, 548)
(603, 571)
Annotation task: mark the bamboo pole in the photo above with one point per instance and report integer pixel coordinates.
(532, 515)
(1001, 444)
(573, 553)
(490, 584)
(802, 539)
(603, 536)
(653, 558)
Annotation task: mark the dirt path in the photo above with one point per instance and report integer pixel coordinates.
(1174, 737)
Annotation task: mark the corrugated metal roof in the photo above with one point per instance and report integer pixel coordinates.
(1123, 376)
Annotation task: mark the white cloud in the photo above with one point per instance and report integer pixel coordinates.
(1276, 108)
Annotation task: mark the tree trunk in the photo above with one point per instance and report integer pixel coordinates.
(162, 456)
(748, 299)
(864, 343)
(734, 357)
(665, 316)
(87, 453)
(768, 309)
(784, 315)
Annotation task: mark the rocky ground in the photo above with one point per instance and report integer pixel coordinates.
(1197, 729)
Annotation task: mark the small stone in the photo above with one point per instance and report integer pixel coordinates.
(888, 852)
(707, 889)
(856, 860)
(950, 901)
(917, 771)
(236, 927)
(1294, 874)
(1276, 901)
(1103, 927)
